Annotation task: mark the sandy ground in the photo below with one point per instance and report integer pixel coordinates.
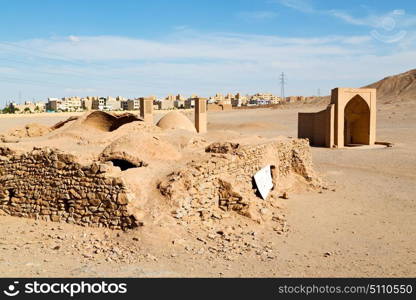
(364, 225)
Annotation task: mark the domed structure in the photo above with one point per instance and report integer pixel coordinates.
(139, 150)
(176, 120)
(107, 122)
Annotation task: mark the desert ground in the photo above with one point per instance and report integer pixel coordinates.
(363, 225)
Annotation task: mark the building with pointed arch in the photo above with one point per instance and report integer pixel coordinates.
(349, 120)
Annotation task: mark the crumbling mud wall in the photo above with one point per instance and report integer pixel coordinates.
(225, 179)
(219, 107)
(50, 185)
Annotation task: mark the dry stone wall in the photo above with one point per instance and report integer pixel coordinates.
(225, 179)
(51, 185)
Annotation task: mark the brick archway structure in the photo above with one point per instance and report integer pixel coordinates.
(356, 122)
(355, 116)
(349, 120)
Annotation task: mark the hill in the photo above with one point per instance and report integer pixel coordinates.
(397, 87)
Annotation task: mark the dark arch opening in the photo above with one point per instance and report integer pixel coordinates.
(123, 164)
(356, 122)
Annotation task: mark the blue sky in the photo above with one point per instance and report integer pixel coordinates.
(136, 48)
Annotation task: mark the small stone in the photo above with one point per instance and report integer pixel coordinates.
(264, 211)
(201, 251)
(94, 168)
(59, 165)
(75, 194)
(55, 218)
(211, 236)
(151, 257)
(122, 199)
(326, 254)
(285, 195)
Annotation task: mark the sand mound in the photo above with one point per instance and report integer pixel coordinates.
(401, 86)
(62, 123)
(176, 120)
(107, 122)
(30, 130)
(139, 150)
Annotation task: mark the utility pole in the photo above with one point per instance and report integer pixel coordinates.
(319, 92)
(282, 85)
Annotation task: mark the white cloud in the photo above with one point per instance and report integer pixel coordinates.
(199, 63)
(216, 46)
(73, 38)
(397, 18)
(301, 5)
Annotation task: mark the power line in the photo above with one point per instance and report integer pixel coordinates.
(282, 85)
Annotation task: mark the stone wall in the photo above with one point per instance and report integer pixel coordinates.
(317, 127)
(225, 179)
(51, 185)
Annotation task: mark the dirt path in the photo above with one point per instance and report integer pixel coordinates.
(363, 225)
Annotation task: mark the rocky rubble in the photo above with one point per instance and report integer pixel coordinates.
(224, 180)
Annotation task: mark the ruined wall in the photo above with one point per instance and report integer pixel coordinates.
(317, 127)
(50, 185)
(225, 179)
(214, 107)
(219, 107)
(306, 126)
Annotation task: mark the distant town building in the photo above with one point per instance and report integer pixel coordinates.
(130, 104)
(72, 104)
(27, 107)
(170, 98)
(239, 100)
(190, 102)
(167, 103)
(87, 103)
(55, 104)
(112, 103)
(265, 98)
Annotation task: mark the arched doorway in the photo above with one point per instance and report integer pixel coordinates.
(356, 122)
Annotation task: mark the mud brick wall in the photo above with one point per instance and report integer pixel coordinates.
(199, 187)
(50, 185)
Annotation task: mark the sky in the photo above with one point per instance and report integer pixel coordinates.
(136, 48)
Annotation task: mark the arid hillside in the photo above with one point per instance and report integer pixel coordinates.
(398, 87)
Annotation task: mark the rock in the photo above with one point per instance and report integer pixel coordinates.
(94, 168)
(201, 240)
(59, 165)
(285, 195)
(74, 194)
(55, 218)
(211, 236)
(103, 168)
(326, 254)
(94, 202)
(264, 211)
(122, 199)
